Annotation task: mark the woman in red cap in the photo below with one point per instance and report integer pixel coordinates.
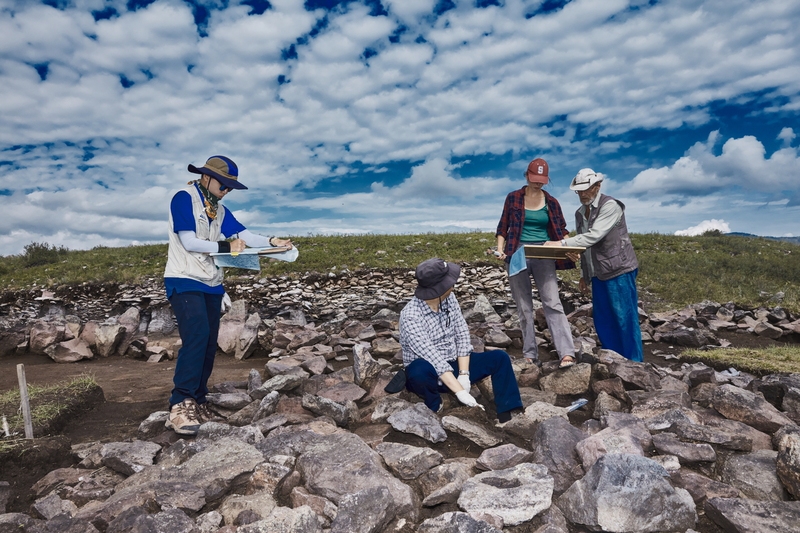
(532, 216)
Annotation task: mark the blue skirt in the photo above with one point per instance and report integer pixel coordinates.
(616, 315)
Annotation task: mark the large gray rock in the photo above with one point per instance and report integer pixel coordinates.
(51, 506)
(44, 333)
(455, 523)
(701, 487)
(751, 516)
(419, 420)
(628, 439)
(788, 463)
(343, 414)
(366, 511)
(341, 463)
(718, 436)
(69, 351)
(365, 368)
(261, 503)
(554, 446)
(387, 406)
(502, 457)
(627, 493)
(472, 431)
(284, 520)
(515, 494)
(570, 381)
(755, 475)
(686, 452)
(744, 406)
(107, 338)
(650, 404)
(142, 494)
(636, 375)
(442, 484)
(408, 462)
(127, 458)
(247, 342)
(215, 468)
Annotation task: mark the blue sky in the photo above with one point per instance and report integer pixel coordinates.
(395, 116)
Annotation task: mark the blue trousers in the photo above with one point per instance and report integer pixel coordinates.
(422, 379)
(616, 315)
(197, 314)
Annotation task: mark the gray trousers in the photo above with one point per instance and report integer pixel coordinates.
(544, 274)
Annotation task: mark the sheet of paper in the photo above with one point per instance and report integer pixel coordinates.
(250, 258)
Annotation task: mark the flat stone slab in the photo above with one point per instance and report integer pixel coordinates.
(743, 515)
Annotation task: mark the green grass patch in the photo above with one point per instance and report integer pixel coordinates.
(674, 271)
(759, 361)
(47, 403)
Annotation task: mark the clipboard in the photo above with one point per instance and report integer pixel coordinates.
(534, 251)
(250, 258)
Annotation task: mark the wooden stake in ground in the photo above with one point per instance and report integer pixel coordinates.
(26, 404)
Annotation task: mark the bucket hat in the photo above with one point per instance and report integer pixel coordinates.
(585, 178)
(434, 277)
(222, 169)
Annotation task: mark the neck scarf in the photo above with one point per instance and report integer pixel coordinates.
(210, 201)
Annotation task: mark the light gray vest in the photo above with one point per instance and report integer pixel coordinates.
(182, 263)
(613, 255)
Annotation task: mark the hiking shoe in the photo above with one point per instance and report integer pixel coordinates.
(206, 414)
(183, 418)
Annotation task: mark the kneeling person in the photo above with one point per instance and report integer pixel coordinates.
(436, 346)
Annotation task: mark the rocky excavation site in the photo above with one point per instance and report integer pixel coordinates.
(310, 442)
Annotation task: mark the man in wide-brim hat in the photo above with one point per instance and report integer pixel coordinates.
(436, 346)
(198, 226)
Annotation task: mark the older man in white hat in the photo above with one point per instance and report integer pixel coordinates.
(609, 263)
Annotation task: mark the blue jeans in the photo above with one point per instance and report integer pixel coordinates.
(422, 379)
(615, 311)
(197, 314)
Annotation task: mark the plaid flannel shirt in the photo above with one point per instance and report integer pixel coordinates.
(513, 218)
(436, 336)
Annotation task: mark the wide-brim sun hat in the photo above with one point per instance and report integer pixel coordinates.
(585, 178)
(434, 277)
(222, 169)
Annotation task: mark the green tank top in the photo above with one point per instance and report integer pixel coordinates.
(535, 227)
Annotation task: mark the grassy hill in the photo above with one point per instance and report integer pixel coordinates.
(674, 271)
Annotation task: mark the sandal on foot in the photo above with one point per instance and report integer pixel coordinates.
(566, 363)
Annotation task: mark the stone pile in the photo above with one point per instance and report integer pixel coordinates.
(301, 451)
(313, 443)
(75, 323)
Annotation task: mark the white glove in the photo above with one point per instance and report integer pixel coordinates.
(226, 303)
(467, 399)
(463, 379)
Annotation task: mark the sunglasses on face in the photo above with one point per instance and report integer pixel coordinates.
(222, 188)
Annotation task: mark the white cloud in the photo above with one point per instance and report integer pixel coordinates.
(742, 163)
(704, 226)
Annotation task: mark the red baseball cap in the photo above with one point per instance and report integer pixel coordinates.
(538, 171)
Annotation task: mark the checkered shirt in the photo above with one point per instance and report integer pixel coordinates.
(425, 333)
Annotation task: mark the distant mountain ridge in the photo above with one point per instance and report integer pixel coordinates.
(793, 240)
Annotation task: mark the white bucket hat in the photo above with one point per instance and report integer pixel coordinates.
(585, 178)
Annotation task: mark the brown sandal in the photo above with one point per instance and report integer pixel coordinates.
(566, 364)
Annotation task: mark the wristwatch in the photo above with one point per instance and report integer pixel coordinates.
(463, 372)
